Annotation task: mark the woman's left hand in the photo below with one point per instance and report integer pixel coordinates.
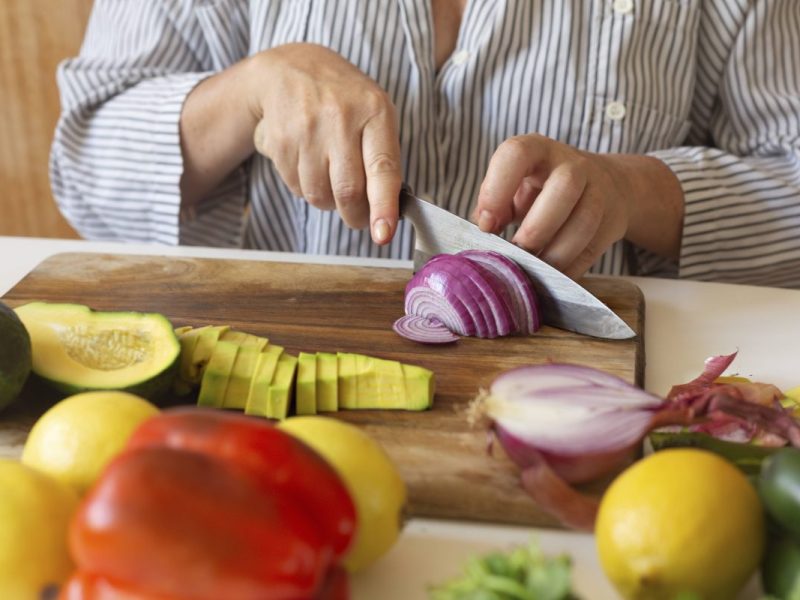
(572, 205)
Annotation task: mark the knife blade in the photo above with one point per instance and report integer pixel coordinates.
(565, 303)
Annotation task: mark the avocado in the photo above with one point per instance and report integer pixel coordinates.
(202, 351)
(15, 355)
(327, 384)
(237, 337)
(241, 377)
(306, 394)
(366, 382)
(391, 384)
(75, 348)
(258, 394)
(347, 388)
(281, 389)
(187, 336)
(420, 387)
(255, 341)
(217, 374)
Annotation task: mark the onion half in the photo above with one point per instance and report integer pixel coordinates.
(472, 293)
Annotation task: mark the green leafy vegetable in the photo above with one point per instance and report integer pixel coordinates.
(522, 574)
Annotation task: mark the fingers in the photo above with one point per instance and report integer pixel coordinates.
(315, 184)
(381, 150)
(555, 203)
(514, 160)
(348, 182)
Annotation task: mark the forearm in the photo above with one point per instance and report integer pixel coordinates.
(216, 129)
(656, 203)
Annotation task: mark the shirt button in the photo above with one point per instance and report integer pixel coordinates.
(460, 57)
(623, 7)
(616, 111)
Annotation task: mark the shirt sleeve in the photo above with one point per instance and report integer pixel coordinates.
(116, 162)
(741, 180)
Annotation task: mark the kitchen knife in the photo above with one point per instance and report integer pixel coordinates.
(564, 303)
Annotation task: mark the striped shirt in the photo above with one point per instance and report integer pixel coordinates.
(710, 87)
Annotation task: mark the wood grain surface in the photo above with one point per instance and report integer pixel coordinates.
(313, 308)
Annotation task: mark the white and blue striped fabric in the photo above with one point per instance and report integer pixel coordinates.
(711, 87)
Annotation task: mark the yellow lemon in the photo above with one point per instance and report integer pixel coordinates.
(375, 485)
(681, 521)
(35, 510)
(75, 439)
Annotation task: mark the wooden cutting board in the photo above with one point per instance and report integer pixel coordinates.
(303, 307)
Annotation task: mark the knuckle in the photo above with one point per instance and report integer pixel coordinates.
(376, 100)
(318, 200)
(348, 194)
(382, 163)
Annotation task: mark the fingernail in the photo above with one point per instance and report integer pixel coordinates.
(380, 231)
(486, 221)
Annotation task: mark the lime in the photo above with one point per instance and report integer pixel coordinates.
(35, 510)
(681, 521)
(373, 481)
(76, 438)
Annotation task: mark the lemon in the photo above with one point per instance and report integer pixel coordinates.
(35, 510)
(75, 439)
(378, 491)
(681, 521)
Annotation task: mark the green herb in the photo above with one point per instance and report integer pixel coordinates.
(521, 574)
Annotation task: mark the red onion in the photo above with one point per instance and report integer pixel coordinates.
(564, 424)
(472, 293)
(427, 331)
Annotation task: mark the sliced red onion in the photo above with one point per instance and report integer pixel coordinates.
(425, 331)
(474, 296)
(523, 296)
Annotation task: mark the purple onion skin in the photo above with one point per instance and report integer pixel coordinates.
(576, 468)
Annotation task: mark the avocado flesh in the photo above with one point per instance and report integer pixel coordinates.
(306, 392)
(258, 393)
(420, 387)
(217, 374)
(203, 350)
(347, 386)
(241, 377)
(327, 384)
(188, 339)
(281, 389)
(75, 348)
(366, 381)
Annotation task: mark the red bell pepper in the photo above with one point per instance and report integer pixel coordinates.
(273, 458)
(209, 505)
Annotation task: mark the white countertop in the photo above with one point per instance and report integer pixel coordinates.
(685, 322)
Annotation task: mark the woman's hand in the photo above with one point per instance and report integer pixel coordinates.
(331, 132)
(572, 205)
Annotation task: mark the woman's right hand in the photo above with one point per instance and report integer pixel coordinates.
(331, 132)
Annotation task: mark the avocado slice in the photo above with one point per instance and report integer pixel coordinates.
(237, 337)
(366, 382)
(241, 377)
(391, 384)
(203, 350)
(327, 384)
(255, 341)
(347, 392)
(280, 390)
(187, 336)
(217, 374)
(258, 393)
(75, 348)
(306, 395)
(420, 387)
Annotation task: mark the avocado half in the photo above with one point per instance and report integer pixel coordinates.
(15, 355)
(75, 348)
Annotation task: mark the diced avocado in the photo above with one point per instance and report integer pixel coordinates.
(179, 331)
(255, 341)
(280, 390)
(327, 383)
(217, 374)
(306, 394)
(188, 340)
(258, 394)
(237, 337)
(391, 384)
(347, 393)
(203, 350)
(366, 382)
(420, 387)
(241, 377)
